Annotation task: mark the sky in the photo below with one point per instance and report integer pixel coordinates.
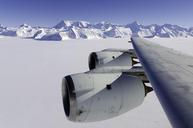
(49, 12)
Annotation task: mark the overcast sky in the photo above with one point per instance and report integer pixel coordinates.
(49, 12)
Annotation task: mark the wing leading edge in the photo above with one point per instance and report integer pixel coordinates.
(171, 75)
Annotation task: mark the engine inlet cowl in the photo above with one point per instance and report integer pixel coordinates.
(89, 97)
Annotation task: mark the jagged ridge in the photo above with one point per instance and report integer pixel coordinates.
(84, 30)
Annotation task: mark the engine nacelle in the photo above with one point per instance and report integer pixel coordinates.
(89, 97)
(111, 57)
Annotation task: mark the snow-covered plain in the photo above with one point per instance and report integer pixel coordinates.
(30, 83)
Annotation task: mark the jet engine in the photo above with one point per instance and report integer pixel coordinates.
(89, 97)
(105, 57)
(114, 86)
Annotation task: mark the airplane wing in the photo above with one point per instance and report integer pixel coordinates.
(116, 83)
(171, 75)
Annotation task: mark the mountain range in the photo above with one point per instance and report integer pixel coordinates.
(65, 30)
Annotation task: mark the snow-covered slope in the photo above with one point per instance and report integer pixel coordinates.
(65, 30)
(26, 31)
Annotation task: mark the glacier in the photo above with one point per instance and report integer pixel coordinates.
(66, 30)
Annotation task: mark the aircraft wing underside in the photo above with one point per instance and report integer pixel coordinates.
(171, 75)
